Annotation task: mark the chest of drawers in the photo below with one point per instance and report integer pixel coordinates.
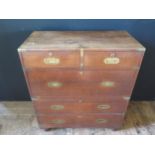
(80, 78)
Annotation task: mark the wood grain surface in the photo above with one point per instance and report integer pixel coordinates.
(47, 40)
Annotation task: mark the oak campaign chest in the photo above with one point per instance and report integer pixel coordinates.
(80, 78)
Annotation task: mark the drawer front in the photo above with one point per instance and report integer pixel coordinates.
(47, 107)
(59, 59)
(85, 120)
(112, 60)
(76, 76)
(78, 89)
(57, 83)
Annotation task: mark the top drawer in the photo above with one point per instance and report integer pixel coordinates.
(112, 60)
(86, 59)
(54, 59)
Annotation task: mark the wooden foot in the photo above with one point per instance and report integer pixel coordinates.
(47, 129)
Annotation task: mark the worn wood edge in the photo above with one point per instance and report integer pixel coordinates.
(143, 49)
(139, 45)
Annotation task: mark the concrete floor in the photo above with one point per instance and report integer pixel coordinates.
(18, 118)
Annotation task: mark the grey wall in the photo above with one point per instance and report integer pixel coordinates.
(14, 32)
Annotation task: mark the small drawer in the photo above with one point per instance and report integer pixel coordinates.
(80, 120)
(52, 59)
(112, 60)
(80, 106)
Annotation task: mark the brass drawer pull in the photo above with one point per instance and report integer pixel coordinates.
(111, 60)
(101, 120)
(127, 98)
(58, 121)
(103, 106)
(108, 84)
(51, 60)
(54, 84)
(57, 107)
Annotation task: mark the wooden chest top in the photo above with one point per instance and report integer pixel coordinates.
(105, 40)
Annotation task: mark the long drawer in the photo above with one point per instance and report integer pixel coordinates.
(71, 75)
(78, 89)
(50, 107)
(59, 83)
(80, 120)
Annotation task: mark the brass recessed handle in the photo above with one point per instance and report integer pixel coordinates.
(111, 60)
(57, 107)
(54, 84)
(101, 120)
(103, 106)
(107, 84)
(51, 61)
(57, 121)
(127, 98)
